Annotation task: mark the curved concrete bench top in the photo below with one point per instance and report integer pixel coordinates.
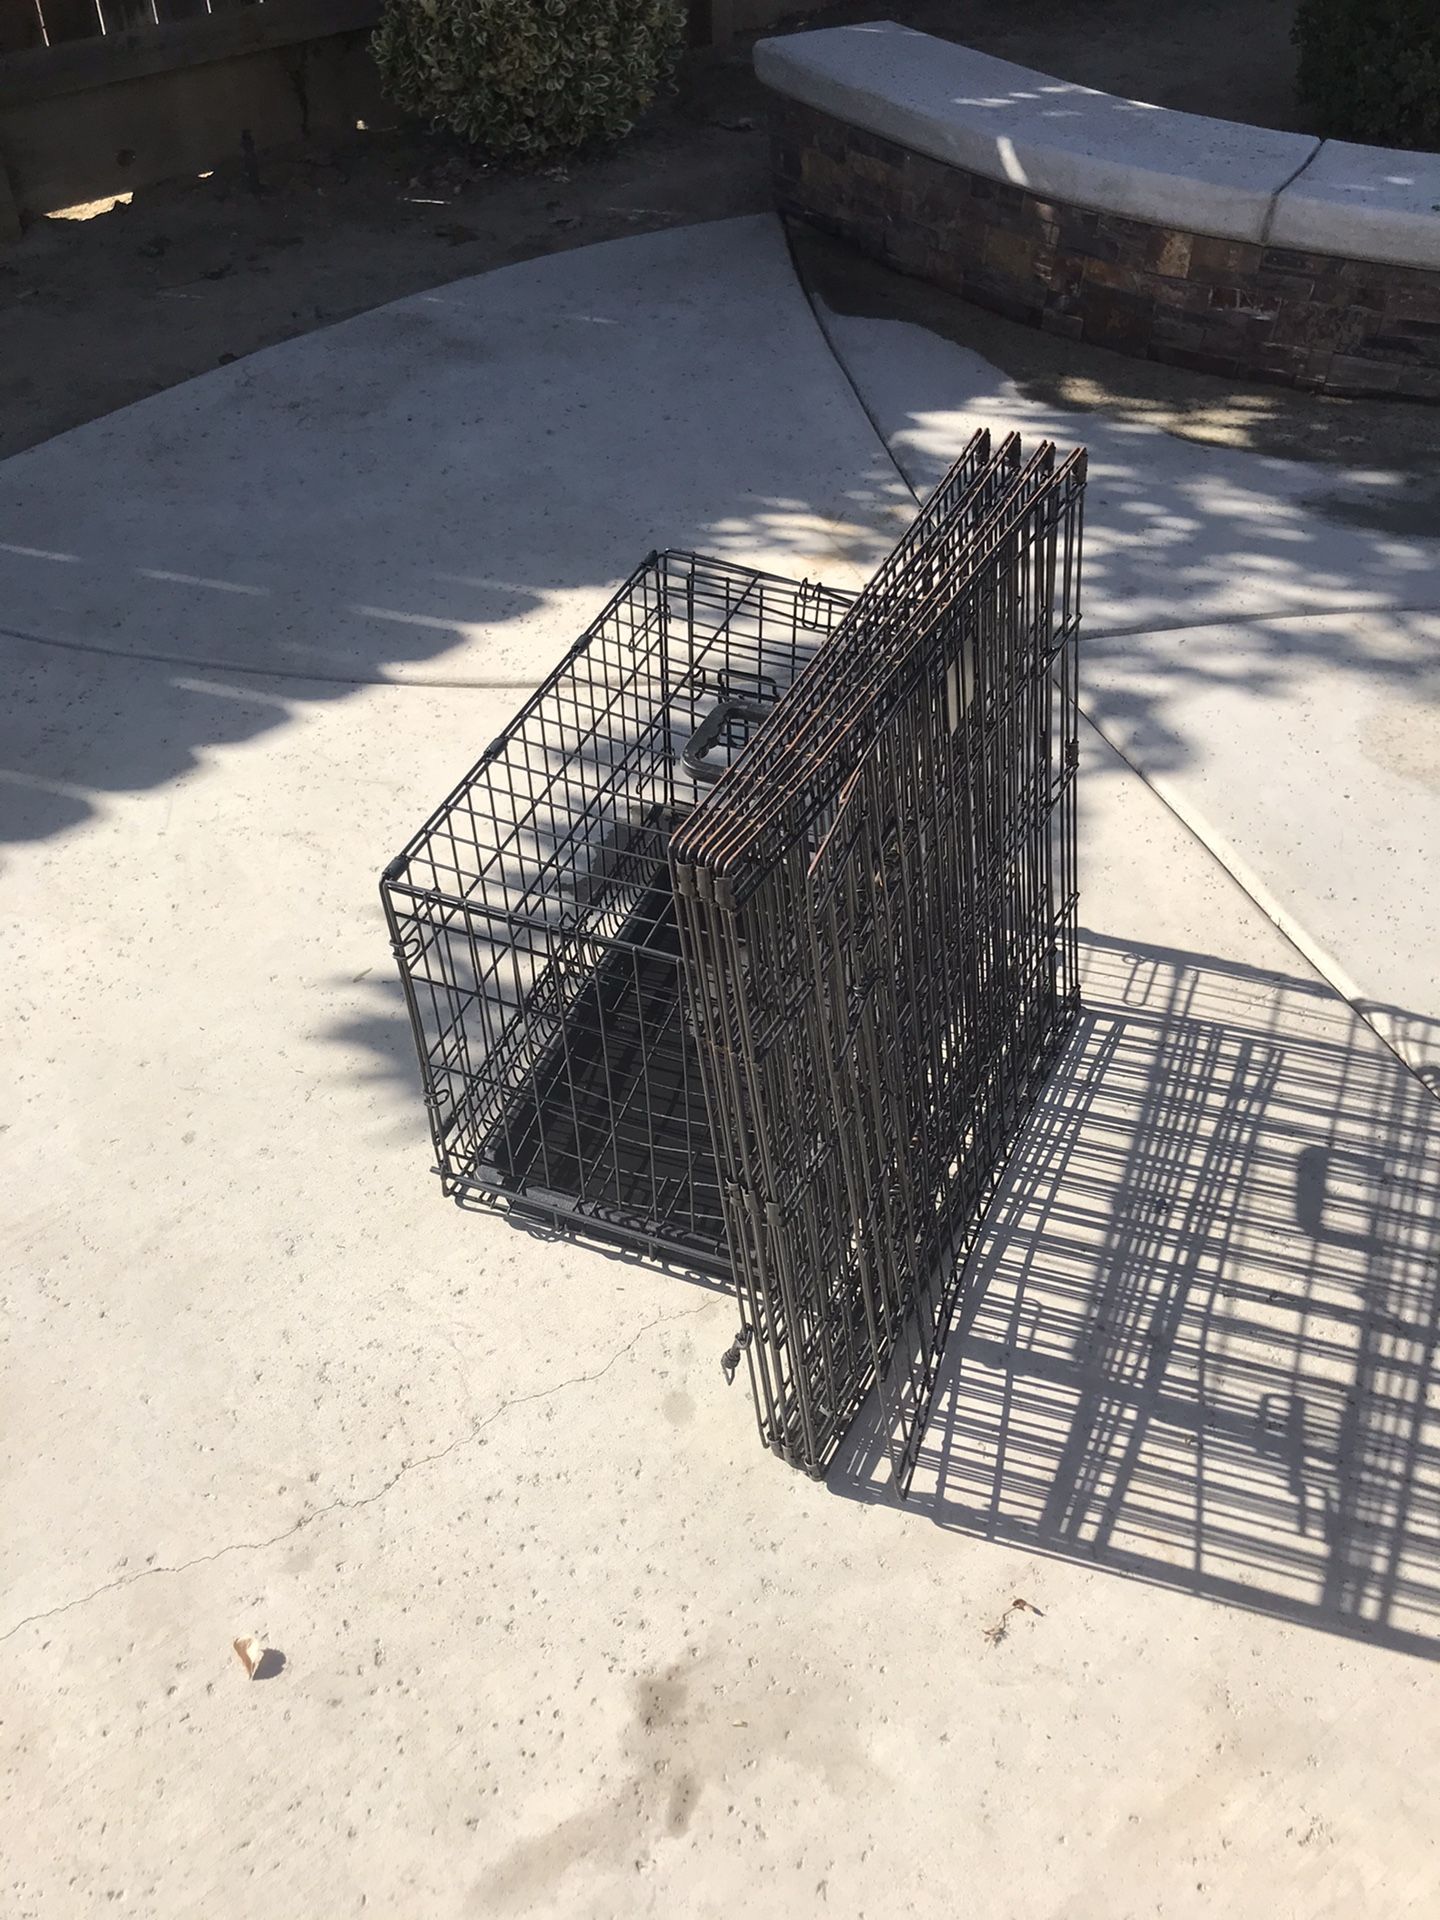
(1364, 203)
(1052, 137)
(1066, 142)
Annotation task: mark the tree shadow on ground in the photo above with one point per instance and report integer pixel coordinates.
(1262, 621)
(442, 492)
(1264, 524)
(84, 722)
(200, 602)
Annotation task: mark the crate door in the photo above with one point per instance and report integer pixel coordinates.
(910, 972)
(891, 985)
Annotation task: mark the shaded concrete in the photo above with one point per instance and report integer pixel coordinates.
(1319, 430)
(341, 486)
(443, 491)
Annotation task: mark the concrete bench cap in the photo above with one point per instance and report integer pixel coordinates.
(1052, 137)
(1364, 203)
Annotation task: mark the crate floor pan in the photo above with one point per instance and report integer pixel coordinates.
(750, 941)
(611, 1130)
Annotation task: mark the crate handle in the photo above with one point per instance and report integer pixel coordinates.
(710, 730)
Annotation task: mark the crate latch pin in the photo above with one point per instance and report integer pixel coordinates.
(730, 1360)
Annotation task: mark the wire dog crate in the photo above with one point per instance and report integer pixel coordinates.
(534, 921)
(749, 942)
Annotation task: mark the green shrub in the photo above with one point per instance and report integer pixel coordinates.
(1370, 69)
(525, 79)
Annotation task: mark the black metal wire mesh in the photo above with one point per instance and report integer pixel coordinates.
(533, 920)
(750, 940)
(877, 911)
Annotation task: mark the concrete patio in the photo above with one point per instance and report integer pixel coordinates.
(558, 1636)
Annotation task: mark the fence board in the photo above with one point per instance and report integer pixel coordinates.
(45, 73)
(19, 26)
(70, 20)
(120, 15)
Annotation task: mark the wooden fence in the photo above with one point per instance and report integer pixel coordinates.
(25, 24)
(50, 23)
(99, 96)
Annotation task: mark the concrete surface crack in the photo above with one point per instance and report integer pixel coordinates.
(475, 1428)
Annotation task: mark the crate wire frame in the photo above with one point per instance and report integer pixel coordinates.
(748, 943)
(533, 922)
(877, 906)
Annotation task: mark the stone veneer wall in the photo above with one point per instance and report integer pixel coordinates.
(1309, 320)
